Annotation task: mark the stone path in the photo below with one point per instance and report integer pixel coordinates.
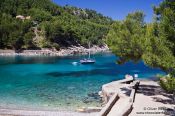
(151, 100)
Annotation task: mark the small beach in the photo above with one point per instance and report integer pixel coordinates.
(5, 112)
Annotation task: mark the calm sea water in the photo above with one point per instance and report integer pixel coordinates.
(55, 83)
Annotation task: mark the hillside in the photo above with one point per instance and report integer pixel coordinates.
(36, 24)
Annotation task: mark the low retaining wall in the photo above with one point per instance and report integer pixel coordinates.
(110, 88)
(118, 105)
(109, 105)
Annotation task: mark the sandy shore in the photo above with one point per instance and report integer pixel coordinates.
(52, 52)
(14, 112)
(151, 100)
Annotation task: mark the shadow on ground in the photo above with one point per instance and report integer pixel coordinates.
(152, 90)
(158, 95)
(126, 91)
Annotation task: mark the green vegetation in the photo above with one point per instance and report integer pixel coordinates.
(126, 37)
(49, 25)
(154, 43)
(168, 83)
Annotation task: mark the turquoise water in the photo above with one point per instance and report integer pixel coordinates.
(55, 83)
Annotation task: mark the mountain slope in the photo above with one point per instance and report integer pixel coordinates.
(56, 26)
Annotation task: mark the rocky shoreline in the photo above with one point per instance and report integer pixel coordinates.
(74, 50)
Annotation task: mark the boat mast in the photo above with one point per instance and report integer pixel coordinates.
(89, 51)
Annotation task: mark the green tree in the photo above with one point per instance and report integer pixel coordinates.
(165, 17)
(165, 20)
(39, 15)
(28, 40)
(157, 53)
(126, 38)
(153, 43)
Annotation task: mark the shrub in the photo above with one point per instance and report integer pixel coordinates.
(45, 44)
(168, 83)
(56, 46)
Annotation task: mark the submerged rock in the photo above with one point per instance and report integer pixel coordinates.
(94, 95)
(87, 100)
(70, 97)
(68, 103)
(89, 109)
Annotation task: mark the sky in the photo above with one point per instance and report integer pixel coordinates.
(116, 9)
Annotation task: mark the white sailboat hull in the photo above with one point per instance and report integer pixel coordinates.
(87, 61)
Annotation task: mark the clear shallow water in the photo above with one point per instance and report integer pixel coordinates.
(54, 82)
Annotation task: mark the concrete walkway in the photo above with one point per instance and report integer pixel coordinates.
(119, 96)
(151, 100)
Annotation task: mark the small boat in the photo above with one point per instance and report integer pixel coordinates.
(88, 60)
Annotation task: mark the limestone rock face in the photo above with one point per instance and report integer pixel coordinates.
(53, 52)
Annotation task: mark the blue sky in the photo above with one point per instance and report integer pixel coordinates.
(116, 9)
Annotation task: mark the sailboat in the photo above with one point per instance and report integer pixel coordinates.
(88, 60)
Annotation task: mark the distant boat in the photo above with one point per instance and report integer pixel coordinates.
(88, 60)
